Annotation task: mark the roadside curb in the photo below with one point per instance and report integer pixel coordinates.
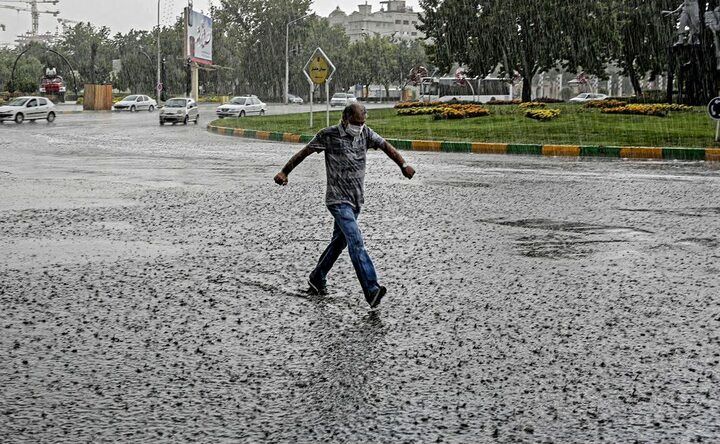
(617, 152)
(80, 112)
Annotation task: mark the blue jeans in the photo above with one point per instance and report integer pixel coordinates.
(346, 233)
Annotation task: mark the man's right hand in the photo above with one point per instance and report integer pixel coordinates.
(281, 178)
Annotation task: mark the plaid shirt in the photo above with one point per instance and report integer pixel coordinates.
(345, 159)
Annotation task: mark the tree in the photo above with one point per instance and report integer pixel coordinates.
(643, 38)
(90, 52)
(258, 28)
(516, 36)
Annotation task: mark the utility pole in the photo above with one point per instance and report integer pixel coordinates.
(287, 55)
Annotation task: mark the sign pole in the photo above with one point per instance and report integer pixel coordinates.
(713, 110)
(327, 103)
(318, 70)
(312, 87)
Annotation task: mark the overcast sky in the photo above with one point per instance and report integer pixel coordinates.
(122, 15)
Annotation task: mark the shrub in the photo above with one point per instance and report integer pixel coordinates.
(542, 114)
(527, 105)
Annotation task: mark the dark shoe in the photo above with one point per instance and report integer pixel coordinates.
(315, 289)
(374, 298)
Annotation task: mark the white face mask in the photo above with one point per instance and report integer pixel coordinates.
(354, 130)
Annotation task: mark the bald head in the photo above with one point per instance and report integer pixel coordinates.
(354, 113)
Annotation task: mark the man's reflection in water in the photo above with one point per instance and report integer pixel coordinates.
(348, 381)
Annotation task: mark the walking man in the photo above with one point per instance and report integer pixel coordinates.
(345, 147)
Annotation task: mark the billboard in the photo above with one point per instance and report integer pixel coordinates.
(198, 37)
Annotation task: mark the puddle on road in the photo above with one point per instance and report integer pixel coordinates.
(687, 212)
(566, 239)
(457, 184)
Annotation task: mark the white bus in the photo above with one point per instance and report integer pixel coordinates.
(445, 89)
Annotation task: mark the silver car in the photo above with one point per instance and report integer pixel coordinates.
(292, 98)
(136, 102)
(342, 99)
(587, 97)
(28, 108)
(242, 106)
(179, 109)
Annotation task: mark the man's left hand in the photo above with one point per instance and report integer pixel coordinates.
(408, 172)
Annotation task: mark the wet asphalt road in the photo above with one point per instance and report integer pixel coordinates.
(151, 291)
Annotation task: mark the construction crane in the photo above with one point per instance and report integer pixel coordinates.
(67, 22)
(32, 9)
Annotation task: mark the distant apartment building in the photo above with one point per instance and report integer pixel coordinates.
(394, 19)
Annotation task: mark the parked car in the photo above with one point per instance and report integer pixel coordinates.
(242, 106)
(292, 98)
(28, 108)
(342, 99)
(136, 102)
(587, 97)
(179, 109)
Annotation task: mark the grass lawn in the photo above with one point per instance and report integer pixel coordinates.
(506, 124)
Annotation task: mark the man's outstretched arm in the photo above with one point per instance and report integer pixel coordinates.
(395, 155)
(281, 178)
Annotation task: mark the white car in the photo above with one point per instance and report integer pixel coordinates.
(242, 106)
(28, 108)
(342, 99)
(179, 109)
(292, 98)
(588, 97)
(136, 102)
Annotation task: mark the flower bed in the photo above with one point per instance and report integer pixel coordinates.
(417, 111)
(446, 111)
(406, 105)
(602, 104)
(542, 114)
(658, 110)
(528, 105)
(505, 102)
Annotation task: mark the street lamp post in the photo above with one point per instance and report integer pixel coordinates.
(157, 90)
(287, 54)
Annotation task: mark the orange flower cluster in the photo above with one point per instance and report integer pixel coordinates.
(602, 104)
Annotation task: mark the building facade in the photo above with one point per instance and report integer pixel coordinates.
(394, 19)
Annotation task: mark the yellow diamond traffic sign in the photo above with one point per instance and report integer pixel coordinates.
(319, 69)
